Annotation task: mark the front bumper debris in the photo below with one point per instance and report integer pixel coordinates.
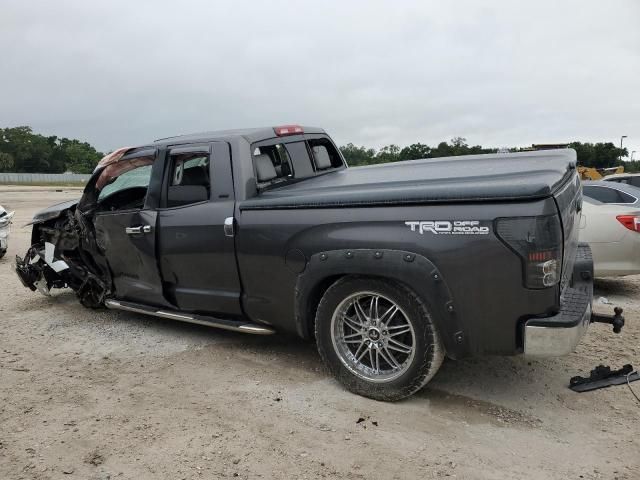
(560, 334)
(28, 273)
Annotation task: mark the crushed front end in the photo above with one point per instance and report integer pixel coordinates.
(62, 255)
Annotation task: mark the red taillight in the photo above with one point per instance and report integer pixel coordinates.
(541, 256)
(632, 222)
(288, 130)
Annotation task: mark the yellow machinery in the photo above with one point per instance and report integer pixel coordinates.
(591, 173)
(586, 173)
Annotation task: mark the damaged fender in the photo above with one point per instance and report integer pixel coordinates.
(57, 260)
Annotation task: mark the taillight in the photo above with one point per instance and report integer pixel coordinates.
(285, 130)
(538, 243)
(632, 222)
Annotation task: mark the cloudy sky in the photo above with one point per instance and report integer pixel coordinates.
(500, 73)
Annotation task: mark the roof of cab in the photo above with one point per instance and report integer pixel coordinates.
(249, 134)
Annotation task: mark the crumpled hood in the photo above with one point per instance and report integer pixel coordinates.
(54, 211)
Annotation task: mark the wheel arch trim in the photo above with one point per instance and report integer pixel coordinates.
(413, 270)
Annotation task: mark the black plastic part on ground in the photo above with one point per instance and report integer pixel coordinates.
(602, 376)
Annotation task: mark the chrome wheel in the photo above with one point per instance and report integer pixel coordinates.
(373, 337)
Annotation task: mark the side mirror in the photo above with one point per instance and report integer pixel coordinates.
(179, 195)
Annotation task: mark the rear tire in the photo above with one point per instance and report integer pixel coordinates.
(377, 338)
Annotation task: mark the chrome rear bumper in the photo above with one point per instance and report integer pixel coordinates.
(540, 341)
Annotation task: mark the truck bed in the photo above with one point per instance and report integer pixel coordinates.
(469, 178)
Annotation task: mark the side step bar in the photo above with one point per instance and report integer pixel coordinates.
(235, 326)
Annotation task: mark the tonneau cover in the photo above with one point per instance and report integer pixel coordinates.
(469, 178)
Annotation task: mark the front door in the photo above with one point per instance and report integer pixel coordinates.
(196, 248)
(126, 232)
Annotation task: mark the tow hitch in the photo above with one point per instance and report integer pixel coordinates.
(617, 320)
(602, 376)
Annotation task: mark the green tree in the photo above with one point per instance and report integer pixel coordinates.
(357, 155)
(598, 155)
(7, 163)
(31, 152)
(442, 150)
(22, 150)
(415, 151)
(388, 154)
(79, 157)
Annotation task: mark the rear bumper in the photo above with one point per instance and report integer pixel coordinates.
(561, 333)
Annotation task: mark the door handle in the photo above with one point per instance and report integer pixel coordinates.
(229, 230)
(138, 230)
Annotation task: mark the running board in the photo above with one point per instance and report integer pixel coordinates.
(235, 326)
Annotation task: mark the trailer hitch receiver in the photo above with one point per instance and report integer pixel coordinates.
(617, 320)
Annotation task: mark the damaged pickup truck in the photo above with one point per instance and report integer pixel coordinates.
(389, 268)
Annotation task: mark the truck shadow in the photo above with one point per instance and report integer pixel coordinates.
(479, 383)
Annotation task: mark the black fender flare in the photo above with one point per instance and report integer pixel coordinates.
(413, 270)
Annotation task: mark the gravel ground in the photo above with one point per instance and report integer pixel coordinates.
(103, 394)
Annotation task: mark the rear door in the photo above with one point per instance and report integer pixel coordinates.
(125, 225)
(195, 230)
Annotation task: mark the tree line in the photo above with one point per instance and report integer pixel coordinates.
(22, 150)
(598, 155)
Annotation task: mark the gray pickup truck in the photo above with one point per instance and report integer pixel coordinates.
(389, 268)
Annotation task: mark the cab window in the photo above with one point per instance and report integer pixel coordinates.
(272, 164)
(123, 185)
(325, 155)
(275, 164)
(189, 179)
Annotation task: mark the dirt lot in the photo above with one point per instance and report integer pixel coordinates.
(103, 394)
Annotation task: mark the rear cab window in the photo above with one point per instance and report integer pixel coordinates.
(277, 162)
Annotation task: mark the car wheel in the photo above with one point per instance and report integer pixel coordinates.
(2, 253)
(377, 338)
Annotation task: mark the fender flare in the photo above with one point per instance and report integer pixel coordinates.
(413, 270)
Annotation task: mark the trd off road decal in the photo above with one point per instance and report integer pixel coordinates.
(446, 227)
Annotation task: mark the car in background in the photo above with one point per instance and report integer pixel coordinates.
(613, 233)
(626, 178)
(5, 224)
(612, 193)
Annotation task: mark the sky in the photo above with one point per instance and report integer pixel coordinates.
(499, 73)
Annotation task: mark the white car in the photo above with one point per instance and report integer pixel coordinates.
(5, 223)
(613, 232)
(628, 178)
